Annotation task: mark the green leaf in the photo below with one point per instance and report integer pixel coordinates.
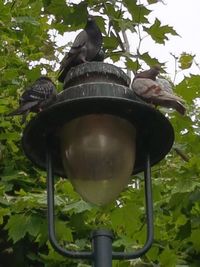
(138, 12)
(9, 136)
(63, 232)
(17, 226)
(34, 225)
(125, 218)
(153, 253)
(181, 220)
(195, 239)
(189, 88)
(185, 61)
(149, 60)
(5, 14)
(159, 33)
(111, 42)
(130, 64)
(53, 256)
(168, 258)
(3, 212)
(153, 1)
(34, 73)
(78, 206)
(10, 74)
(27, 20)
(65, 187)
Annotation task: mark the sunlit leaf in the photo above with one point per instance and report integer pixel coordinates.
(186, 61)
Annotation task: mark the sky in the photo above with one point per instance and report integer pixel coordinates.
(184, 17)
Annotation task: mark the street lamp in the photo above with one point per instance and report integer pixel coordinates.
(97, 133)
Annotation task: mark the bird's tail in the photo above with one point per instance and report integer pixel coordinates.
(179, 107)
(62, 75)
(18, 111)
(23, 109)
(24, 116)
(172, 103)
(63, 72)
(66, 64)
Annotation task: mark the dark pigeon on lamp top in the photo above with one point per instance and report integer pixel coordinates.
(156, 91)
(100, 56)
(35, 97)
(86, 47)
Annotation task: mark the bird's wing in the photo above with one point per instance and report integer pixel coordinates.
(80, 40)
(75, 56)
(152, 91)
(79, 43)
(24, 108)
(166, 86)
(45, 89)
(39, 91)
(100, 56)
(144, 87)
(32, 93)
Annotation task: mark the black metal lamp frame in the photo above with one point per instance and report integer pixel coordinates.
(102, 254)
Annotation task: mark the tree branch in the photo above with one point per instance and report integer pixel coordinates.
(181, 154)
(114, 31)
(127, 48)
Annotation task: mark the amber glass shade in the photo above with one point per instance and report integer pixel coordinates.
(98, 154)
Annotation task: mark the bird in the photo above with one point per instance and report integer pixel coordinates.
(165, 84)
(156, 91)
(100, 56)
(149, 74)
(86, 47)
(35, 97)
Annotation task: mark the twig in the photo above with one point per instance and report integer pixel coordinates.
(181, 154)
(197, 64)
(140, 39)
(127, 48)
(114, 31)
(175, 67)
(13, 4)
(116, 34)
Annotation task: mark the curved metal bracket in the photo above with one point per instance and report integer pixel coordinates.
(51, 212)
(149, 215)
(91, 255)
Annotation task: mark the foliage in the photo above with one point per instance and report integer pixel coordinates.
(28, 48)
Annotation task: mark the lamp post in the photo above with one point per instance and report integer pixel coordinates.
(97, 133)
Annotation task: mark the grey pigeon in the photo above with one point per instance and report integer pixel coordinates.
(156, 91)
(149, 74)
(35, 97)
(165, 84)
(86, 47)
